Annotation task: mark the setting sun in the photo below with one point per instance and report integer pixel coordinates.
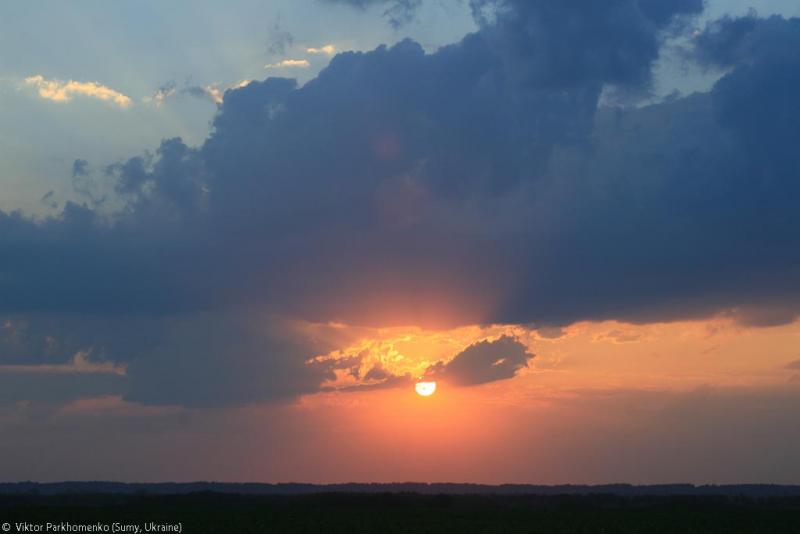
(426, 389)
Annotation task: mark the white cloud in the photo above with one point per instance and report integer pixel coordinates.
(288, 63)
(60, 91)
(214, 92)
(217, 93)
(161, 95)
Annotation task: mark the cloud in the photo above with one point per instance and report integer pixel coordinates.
(377, 382)
(48, 199)
(161, 94)
(397, 13)
(619, 336)
(481, 183)
(726, 41)
(580, 42)
(80, 363)
(793, 364)
(278, 39)
(206, 360)
(213, 92)
(47, 384)
(550, 332)
(216, 94)
(377, 373)
(80, 168)
(60, 91)
(289, 64)
(425, 179)
(327, 49)
(485, 361)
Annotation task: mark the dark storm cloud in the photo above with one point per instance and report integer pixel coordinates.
(56, 388)
(579, 42)
(479, 183)
(84, 375)
(485, 361)
(221, 359)
(56, 338)
(392, 162)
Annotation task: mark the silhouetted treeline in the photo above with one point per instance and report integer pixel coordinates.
(170, 488)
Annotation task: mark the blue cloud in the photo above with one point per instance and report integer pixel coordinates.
(483, 180)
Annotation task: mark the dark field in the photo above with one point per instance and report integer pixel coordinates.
(409, 512)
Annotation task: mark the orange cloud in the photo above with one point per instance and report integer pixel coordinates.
(60, 91)
(327, 49)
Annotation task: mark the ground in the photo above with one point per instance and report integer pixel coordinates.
(407, 512)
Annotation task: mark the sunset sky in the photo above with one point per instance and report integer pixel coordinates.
(234, 236)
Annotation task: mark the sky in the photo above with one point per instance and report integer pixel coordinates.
(234, 237)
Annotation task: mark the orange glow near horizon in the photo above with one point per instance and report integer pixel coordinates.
(590, 382)
(606, 355)
(599, 400)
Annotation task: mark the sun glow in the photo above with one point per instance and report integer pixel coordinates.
(426, 389)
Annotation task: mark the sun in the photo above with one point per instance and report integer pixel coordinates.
(426, 389)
